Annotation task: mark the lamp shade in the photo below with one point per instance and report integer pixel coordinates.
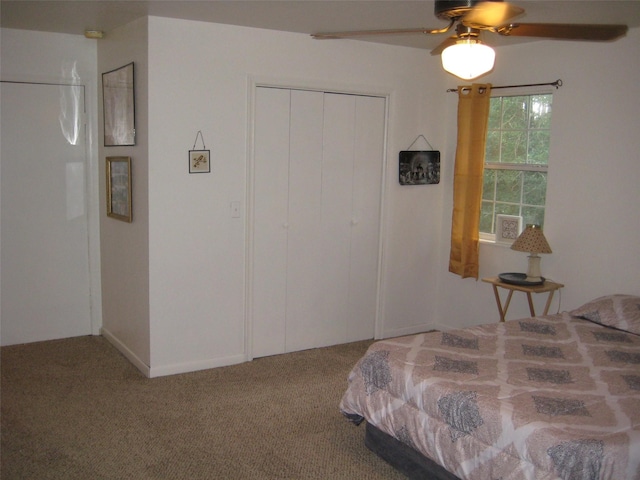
(531, 240)
(468, 58)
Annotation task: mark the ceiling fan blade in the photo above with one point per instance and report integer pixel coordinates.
(369, 33)
(491, 14)
(446, 43)
(564, 31)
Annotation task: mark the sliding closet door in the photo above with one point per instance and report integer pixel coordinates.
(317, 187)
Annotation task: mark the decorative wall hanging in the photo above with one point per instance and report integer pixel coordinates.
(118, 96)
(419, 167)
(119, 188)
(199, 160)
(508, 227)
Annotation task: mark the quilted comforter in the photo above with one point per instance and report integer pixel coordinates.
(540, 398)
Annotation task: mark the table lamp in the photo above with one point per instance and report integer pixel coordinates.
(532, 240)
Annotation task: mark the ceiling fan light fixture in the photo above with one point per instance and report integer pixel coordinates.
(94, 34)
(468, 58)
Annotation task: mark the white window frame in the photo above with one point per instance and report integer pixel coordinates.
(523, 167)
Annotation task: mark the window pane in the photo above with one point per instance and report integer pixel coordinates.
(509, 186)
(539, 147)
(488, 185)
(541, 111)
(507, 209)
(533, 215)
(535, 188)
(486, 217)
(492, 148)
(514, 146)
(495, 113)
(515, 113)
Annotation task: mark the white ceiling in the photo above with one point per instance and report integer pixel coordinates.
(303, 16)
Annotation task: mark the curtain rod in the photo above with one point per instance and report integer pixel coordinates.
(557, 84)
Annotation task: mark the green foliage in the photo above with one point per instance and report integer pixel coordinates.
(535, 188)
(488, 185)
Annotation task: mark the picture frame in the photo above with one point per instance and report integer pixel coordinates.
(419, 167)
(119, 188)
(508, 228)
(118, 97)
(199, 161)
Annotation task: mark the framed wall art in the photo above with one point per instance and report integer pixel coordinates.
(199, 161)
(419, 167)
(508, 228)
(119, 188)
(118, 96)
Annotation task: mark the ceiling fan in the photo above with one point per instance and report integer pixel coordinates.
(464, 55)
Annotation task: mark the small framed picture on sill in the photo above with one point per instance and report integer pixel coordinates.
(199, 161)
(508, 228)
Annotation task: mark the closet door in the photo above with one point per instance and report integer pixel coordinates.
(337, 206)
(270, 220)
(317, 187)
(305, 297)
(364, 250)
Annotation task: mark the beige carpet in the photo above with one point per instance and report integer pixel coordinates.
(77, 409)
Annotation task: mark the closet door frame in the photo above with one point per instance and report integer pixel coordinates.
(253, 83)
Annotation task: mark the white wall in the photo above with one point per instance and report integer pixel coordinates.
(197, 251)
(68, 59)
(592, 221)
(173, 280)
(125, 246)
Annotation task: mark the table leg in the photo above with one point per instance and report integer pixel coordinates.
(548, 304)
(497, 295)
(531, 309)
(506, 304)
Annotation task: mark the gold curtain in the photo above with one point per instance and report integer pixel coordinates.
(473, 114)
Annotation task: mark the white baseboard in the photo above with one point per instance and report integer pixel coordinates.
(187, 367)
(165, 370)
(122, 348)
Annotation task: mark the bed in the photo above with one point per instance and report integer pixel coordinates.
(556, 396)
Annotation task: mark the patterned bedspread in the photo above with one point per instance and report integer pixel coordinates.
(540, 398)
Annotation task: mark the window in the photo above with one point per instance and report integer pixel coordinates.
(516, 158)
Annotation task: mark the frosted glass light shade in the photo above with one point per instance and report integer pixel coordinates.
(468, 59)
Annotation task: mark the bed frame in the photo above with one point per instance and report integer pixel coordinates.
(404, 458)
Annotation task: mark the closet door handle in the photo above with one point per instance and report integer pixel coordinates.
(285, 225)
(354, 222)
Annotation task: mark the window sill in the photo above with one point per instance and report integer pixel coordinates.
(484, 241)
